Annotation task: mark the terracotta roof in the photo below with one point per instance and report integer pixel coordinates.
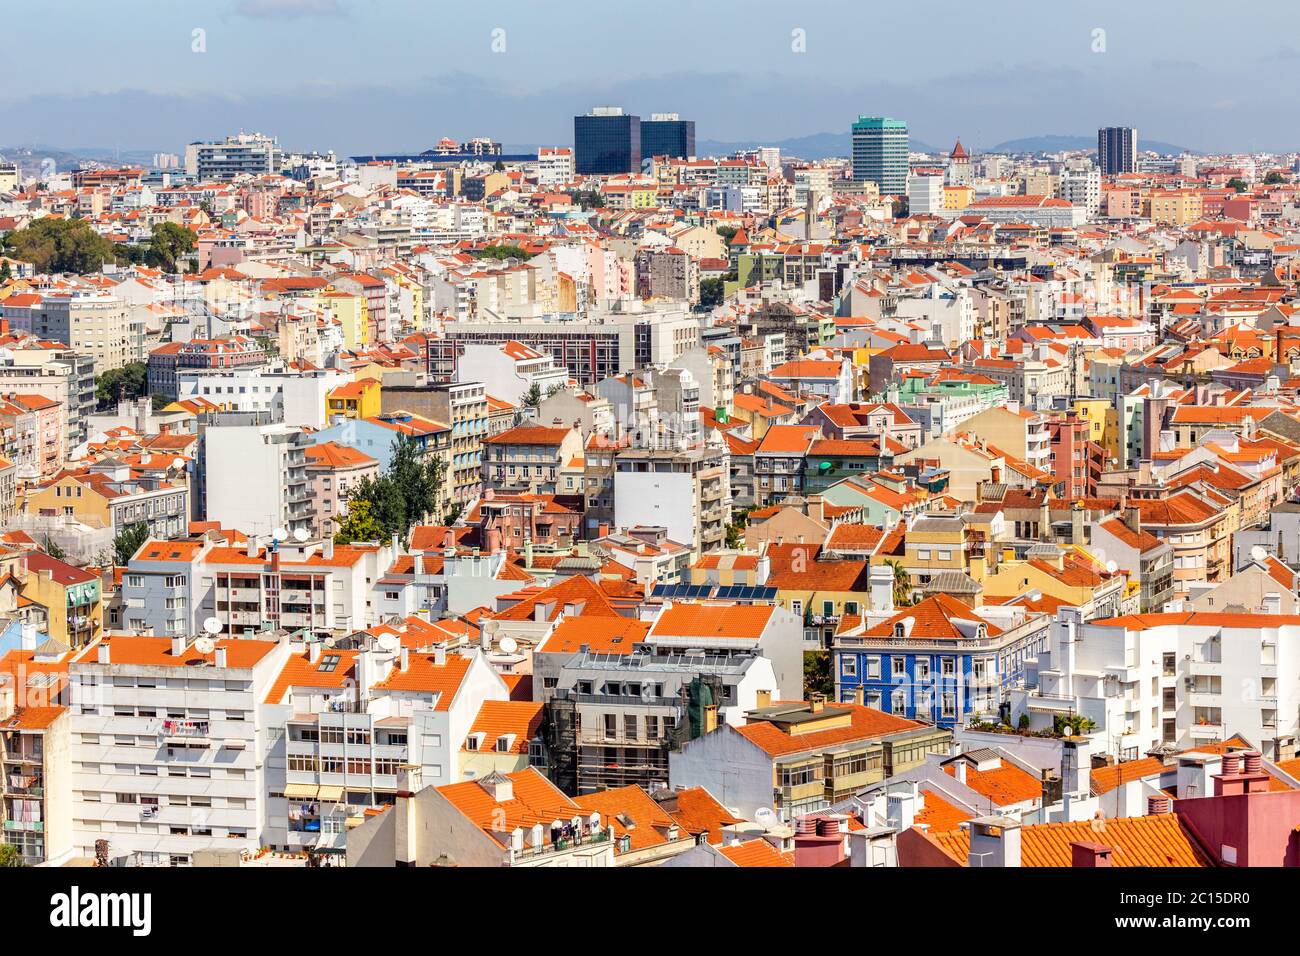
(501, 718)
(1150, 841)
(865, 723)
(757, 852)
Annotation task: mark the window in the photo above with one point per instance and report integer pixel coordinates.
(949, 667)
(611, 726)
(848, 666)
(873, 668)
(898, 666)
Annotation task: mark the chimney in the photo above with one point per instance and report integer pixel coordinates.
(1231, 764)
(220, 659)
(881, 588)
(959, 771)
(178, 645)
(1133, 518)
(817, 508)
(406, 838)
(1076, 525)
(251, 550)
(602, 530)
(710, 718)
(313, 651)
(1086, 854)
(327, 549)
(104, 655)
(994, 841)
(440, 655)
(1158, 805)
(857, 695)
(901, 809)
(404, 659)
(816, 703)
(1273, 603)
(764, 699)
(27, 641)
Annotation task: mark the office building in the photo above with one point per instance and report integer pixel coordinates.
(1117, 150)
(607, 141)
(666, 134)
(244, 154)
(880, 153)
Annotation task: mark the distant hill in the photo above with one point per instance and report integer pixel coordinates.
(1057, 144)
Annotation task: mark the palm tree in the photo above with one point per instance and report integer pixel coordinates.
(902, 585)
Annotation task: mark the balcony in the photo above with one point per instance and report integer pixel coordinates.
(1206, 731)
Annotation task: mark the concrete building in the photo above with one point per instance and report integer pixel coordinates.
(687, 492)
(256, 479)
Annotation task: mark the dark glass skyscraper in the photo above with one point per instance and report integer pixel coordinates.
(1117, 150)
(666, 134)
(606, 142)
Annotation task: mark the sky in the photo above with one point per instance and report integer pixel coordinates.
(369, 76)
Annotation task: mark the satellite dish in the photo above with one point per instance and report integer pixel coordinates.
(765, 816)
(508, 645)
(205, 645)
(301, 535)
(389, 642)
(330, 641)
(1112, 567)
(1258, 553)
(178, 463)
(212, 625)
(280, 534)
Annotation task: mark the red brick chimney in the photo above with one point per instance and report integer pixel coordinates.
(1087, 854)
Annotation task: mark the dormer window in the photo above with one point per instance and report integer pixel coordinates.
(900, 630)
(474, 741)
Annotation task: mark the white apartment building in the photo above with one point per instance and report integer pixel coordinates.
(510, 370)
(554, 165)
(924, 194)
(345, 721)
(1178, 678)
(255, 478)
(295, 398)
(168, 748)
(1082, 187)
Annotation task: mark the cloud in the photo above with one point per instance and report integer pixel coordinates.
(288, 9)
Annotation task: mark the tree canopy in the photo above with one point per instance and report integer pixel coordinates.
(128, 382)
(61, 245)
(391, 503)
(128, 541)
(502, 252)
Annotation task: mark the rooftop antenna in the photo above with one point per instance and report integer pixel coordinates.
(212, 625)
(205, 645)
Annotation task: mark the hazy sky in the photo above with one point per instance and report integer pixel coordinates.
(384, 75)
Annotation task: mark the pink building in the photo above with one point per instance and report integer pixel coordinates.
(36, 424)
(335, 470)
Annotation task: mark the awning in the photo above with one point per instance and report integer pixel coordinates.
(301, 791)
(234, 744)
(331, 794)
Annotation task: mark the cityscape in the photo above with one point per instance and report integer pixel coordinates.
(644, 498)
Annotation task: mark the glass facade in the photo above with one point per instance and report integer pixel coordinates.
(675, 138)
(606, 145)
(880, 153)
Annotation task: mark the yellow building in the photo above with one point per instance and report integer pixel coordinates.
(1095, 412)
(358, 399)
(352, 314)
(1178, 206)
(958, 197)
(1074, 578)
(71, 598)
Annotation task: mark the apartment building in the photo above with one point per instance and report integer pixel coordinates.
(255, 478)
(796, 757)
(35, 433)
(1180, 678)
(686, 492)
(510, 370)
(353, 718)
(334, 471)
(112, 494)
(56, 371)
(94, 323)
(529, 458)
(244, 154)
(464, 407)
(167, 743)
(35, 770)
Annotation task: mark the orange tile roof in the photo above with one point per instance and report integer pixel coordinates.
(865, 723)
(737, 621)
(499, 718)
(300, 671)
(649, 821)
(157, 652)
(698, 812)
(757, 852)
(426, 676)
(534, 800)
(1150, 841)
(1004, 785)
(934, 618)
(605, 635)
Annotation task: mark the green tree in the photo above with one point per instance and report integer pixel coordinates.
(502, 252)
(817, 677)
(5, 272)
(53, 550)
(727, 233)
(711, 292)
(359, 523)
(902, 585)
(9, 856)
(1237, 184)
(160, 401)
(128, 541)
(61, 245)
(405, 495)
(169, 243)
(127, 382)
(1273, 178)
(533, 397)
(588, 199)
